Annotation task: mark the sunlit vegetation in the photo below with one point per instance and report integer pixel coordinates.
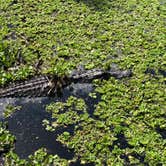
(128, 124)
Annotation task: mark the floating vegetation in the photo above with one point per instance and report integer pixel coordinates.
(6, 139)
(113, 135)
(127, 124)
(9, 110)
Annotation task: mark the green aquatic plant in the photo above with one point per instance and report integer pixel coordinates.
(6, 139)
(12, 158)
(67, 113)
(39, 158)
(128, 123)
(9, 110)
(116, 117)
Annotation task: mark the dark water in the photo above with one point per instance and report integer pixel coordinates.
(26, 124)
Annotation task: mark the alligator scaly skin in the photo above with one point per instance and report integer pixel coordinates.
(44, 86)
(29, 87)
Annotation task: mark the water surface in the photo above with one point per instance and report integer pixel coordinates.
(26, 123)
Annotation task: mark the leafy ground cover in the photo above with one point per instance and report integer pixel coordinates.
(128, 124)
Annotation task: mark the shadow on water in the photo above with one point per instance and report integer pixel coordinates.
(154, 73)
(161, 131)
(96, 4)
(122, 143)
(26, 124)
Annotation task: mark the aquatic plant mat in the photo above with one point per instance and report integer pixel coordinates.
(109, 122)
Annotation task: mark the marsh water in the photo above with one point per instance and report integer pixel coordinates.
(26, 123)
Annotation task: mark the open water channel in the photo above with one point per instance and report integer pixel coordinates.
(26, 123)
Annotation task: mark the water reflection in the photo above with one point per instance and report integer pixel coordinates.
(26, 124)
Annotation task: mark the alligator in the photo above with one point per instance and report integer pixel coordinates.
(46, 85)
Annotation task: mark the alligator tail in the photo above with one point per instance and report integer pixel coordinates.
(34, 87)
